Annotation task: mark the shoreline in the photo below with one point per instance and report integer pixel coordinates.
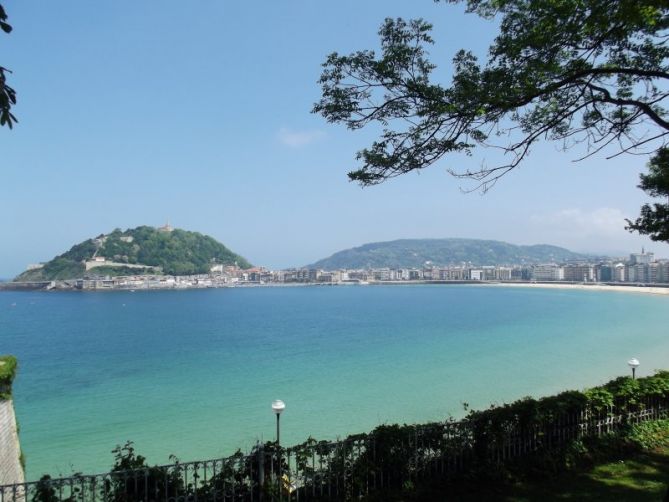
(652, 290)
(55, 286)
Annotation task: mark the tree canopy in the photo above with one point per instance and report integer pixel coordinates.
(589, 72)
(415, 253)
(654, 219)
(178, 252)
(7, 94)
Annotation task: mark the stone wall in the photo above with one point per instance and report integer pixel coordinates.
(11, 471)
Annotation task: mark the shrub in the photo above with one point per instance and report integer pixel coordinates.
(7, 374)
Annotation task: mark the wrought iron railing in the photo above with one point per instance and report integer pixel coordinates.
(392, 458)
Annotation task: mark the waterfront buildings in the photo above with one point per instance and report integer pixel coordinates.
(548, 272)
(640, 268)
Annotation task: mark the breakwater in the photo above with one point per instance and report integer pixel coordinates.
(28, 286)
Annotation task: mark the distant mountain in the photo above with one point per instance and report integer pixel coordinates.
(412, 253)
(135, 251)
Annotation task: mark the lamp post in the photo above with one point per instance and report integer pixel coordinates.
(277, 407)
(633, 363)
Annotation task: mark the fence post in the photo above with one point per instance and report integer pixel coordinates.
(261, 470)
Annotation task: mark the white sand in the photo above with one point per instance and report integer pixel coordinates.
(593, 287)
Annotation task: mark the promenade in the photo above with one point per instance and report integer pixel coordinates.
(10, 468)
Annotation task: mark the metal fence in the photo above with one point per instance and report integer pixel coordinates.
(392, 457)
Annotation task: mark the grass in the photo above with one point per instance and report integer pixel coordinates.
(633, 468)
(642, 478)
(641, 475)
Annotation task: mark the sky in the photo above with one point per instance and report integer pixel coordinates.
(135, 113)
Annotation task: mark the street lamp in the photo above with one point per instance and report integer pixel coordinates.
(633, 363)
(277, 407)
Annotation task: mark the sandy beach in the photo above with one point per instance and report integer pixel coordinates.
(653, 290)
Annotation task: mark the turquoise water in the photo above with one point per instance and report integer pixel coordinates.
(193, 373)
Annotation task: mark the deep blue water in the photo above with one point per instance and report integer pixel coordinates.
(193, 373)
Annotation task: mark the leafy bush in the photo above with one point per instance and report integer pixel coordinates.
(7, 374)
(649, 435)
(154, 481)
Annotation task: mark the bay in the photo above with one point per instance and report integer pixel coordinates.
(193, 373)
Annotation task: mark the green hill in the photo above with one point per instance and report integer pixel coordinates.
(412, 253)
(139, 250)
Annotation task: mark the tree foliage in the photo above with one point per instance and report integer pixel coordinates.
(178, 252)
(7, 94)
(593, 72)
(415, 253)
(7, 374)
(654, 219)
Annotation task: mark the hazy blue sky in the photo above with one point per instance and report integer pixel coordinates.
(135, 112)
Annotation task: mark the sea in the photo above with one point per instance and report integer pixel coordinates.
(192, 373)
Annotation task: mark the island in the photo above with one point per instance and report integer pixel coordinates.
(142, 257)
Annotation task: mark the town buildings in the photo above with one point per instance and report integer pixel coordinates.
(640, 268)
